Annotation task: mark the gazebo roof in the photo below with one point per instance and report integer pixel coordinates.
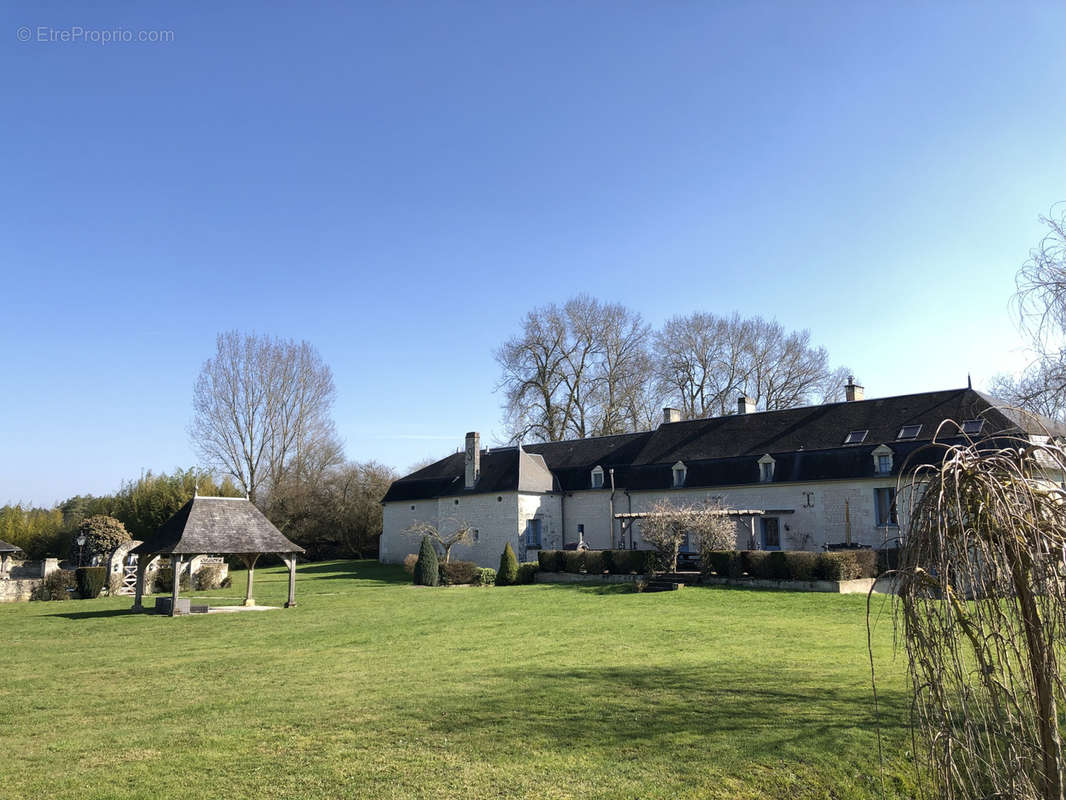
(220, 525)
(8, 548)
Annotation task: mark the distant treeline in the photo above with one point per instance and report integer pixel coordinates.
(338, 516)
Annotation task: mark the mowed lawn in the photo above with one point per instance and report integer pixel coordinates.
(374, 688)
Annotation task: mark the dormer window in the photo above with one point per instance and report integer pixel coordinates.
(680, 473)
(766, 468)
(856, 437)
(909, 432)
(597, 478)
(882, 456)
(972, 427)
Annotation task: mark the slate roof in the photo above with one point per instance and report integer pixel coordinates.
(806, 443)
(219, 525)
(8, 548)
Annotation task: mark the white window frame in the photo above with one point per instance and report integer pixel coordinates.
(767, 465)
(680, 473)
(596, 478)
(879, 452)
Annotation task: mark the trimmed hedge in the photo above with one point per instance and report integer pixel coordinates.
(526, 571)
(454, 573)
(791, 565)
(596, 562)
(486, 576)
(91, 581)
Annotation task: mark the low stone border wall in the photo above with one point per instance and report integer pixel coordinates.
(857, 586)
(576, 577)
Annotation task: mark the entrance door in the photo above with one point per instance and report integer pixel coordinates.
(771, 534)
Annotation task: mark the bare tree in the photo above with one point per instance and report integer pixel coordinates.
(1041, 304)
(575, 371)
(705, 362)
(262, 411)
(447, 535)
(667, 523)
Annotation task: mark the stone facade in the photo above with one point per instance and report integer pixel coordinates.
(809, 515)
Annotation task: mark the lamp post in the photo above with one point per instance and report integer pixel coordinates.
(81, 545)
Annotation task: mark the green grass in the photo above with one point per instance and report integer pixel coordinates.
(375, 688)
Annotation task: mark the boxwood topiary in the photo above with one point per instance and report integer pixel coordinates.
(427, 571)
(507, 574)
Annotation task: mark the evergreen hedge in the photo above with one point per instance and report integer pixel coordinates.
(527, 571)
(427, 570)
(789, 565)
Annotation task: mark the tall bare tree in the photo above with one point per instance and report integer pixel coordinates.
(262, 411)
(704, 362)
(1041, 304)
(575, 371)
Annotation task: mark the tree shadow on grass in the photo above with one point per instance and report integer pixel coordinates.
(111, 612)
(638, 707)
(366, 571)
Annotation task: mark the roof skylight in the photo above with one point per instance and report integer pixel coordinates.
(909, 432)
(972, 427)
(856, 437)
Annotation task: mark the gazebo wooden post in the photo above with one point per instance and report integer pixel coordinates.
(249, 560)
(175, 566)
(142, 568)
(290, 562)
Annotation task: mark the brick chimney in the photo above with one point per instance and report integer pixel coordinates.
(745, 405)
(473, 458)
(852, 391)
(671, 415)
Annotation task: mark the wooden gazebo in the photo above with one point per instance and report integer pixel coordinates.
(219, 526)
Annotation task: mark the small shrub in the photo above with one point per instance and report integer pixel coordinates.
(801, 565)
(57, 586)
(427, 571)
(507, 574)
(90, 581)
(486, 576)
(526, 571)
(454, 573)
(164, 580)
(226, 583)
(594, 562)
(409, 562)
(209, 577)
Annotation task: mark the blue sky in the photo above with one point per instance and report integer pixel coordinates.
(399, 183)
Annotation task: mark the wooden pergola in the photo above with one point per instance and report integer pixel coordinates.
(219, 526)
(627, 519)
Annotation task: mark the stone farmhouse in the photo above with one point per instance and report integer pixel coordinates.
(819, 475)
